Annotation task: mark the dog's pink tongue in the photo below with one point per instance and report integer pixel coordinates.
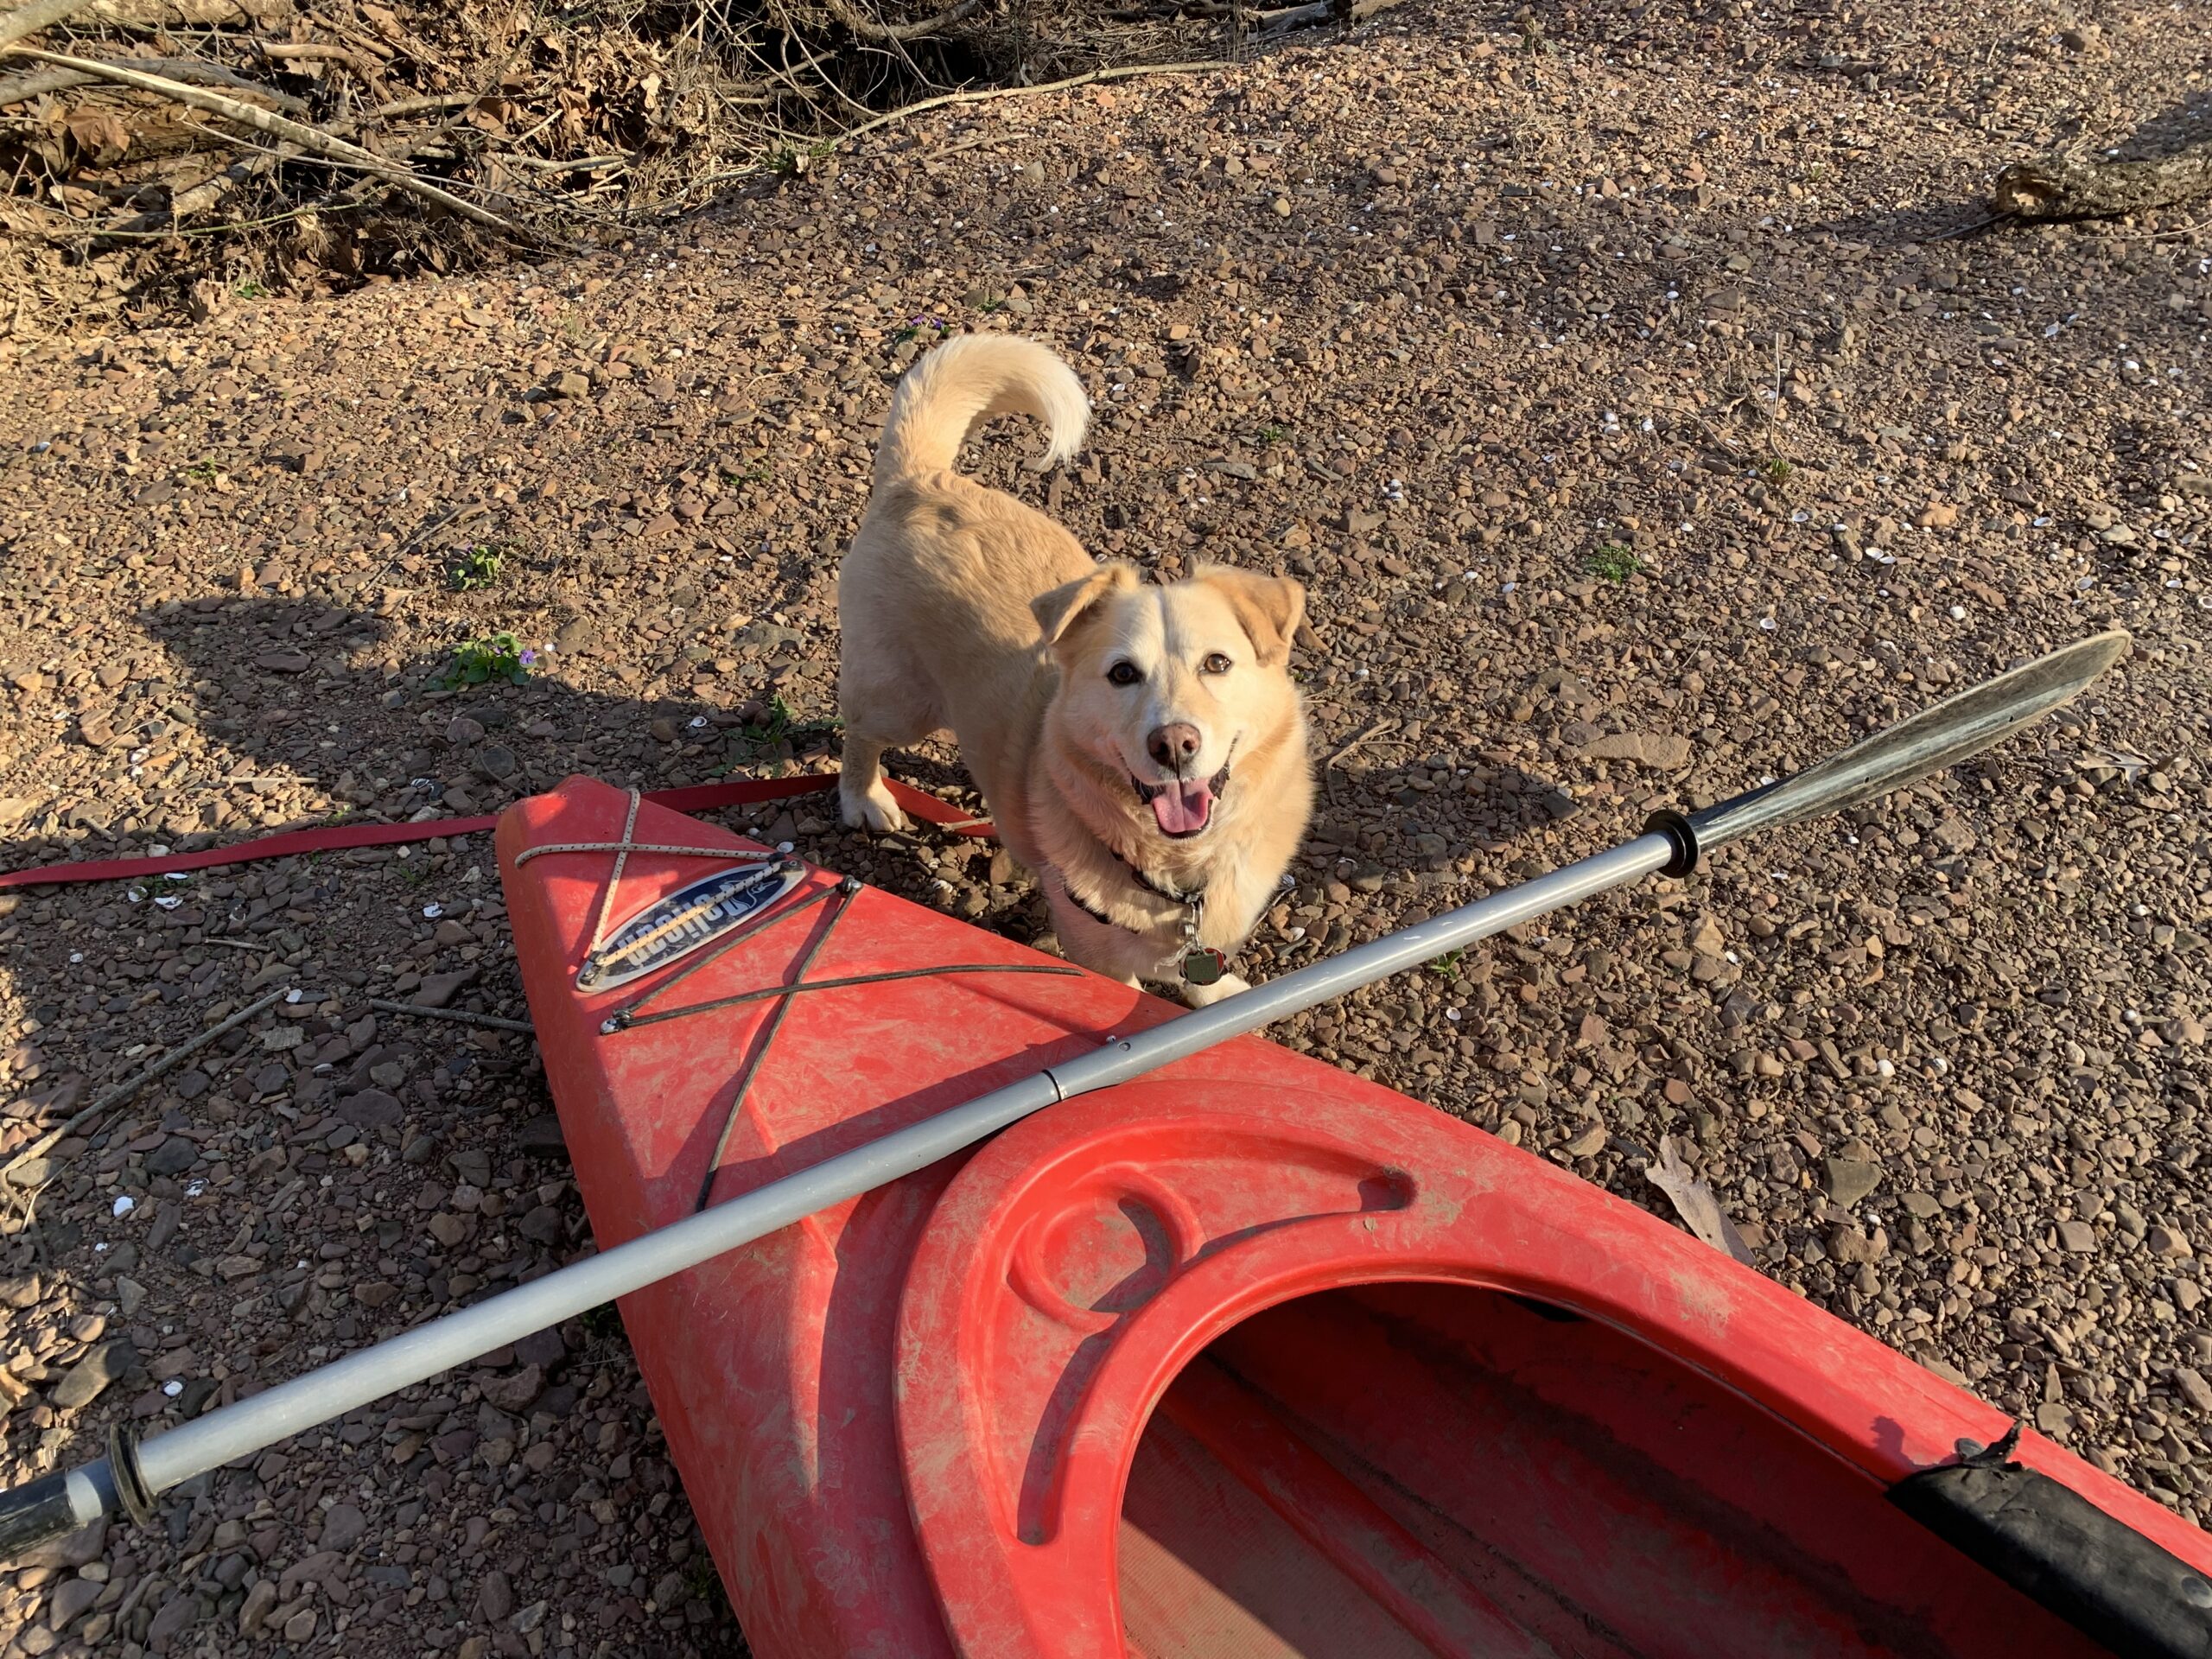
(1182, 807)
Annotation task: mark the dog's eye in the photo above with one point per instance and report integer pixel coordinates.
(1215, 664)
(1124, 674)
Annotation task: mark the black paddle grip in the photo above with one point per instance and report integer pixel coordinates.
(36, 1513)
(2053, 1545)
(40, 1510)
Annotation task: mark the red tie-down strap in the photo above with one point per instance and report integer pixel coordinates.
(697, 797)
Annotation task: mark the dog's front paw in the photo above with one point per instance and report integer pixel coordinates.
(872, 809)
(1199, 997)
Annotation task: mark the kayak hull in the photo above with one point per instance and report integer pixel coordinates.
(1246, 1357)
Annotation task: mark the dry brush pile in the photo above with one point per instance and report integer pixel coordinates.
(167, 153)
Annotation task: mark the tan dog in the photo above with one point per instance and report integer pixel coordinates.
(1142, 748)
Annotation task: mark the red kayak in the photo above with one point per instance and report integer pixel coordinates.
(1249, 1358)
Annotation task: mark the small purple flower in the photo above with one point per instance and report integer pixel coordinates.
(528, 657)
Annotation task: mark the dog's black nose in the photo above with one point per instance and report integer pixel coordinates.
(1172, 746)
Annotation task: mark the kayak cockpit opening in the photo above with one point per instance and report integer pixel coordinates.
(1422, 1468)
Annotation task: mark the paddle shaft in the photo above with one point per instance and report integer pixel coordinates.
(62, 1502)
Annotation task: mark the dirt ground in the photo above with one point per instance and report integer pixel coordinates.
(1648, 416)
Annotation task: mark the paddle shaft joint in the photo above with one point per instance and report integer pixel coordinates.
(1691, 833)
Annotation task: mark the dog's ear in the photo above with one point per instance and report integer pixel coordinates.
(1269, 608)
(1059, 610)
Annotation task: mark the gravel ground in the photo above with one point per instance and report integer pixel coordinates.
(1641, 430)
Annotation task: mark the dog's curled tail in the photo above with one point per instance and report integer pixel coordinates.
(967, 380)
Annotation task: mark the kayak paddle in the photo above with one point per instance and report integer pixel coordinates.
(133, 1473)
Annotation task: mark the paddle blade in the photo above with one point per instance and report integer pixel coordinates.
(1918, 747)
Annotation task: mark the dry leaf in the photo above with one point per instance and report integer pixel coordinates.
(2129, 763)
(100, 134)
(1694, 1201)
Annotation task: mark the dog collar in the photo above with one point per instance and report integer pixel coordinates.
(1193, 901)
(1084, 905)
(1199, 964)
(1173, 896)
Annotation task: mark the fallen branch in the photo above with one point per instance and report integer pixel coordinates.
(1322, 11)
(198, 199)
(2061, 187)
(160, 222)
(40, 13)
(186, 69)
(132, 1084)
(868, 29)
(276, 126)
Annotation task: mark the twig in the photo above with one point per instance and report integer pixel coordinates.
(1329, 766)
(1379, 729)
(40, 13)
(24, 1202)
(2179, 233)
(1713, 437)
(1123, 72)
(583, 164)
(21, 1206)
(420, 106)
(1774, 408)
(315, 50)
(810, 59)
(1969, 229)
(131, 1085)
(462, 1015)
(973, 143)
(276, 126)
(460, 515)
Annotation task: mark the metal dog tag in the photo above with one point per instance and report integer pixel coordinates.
(1205, 966)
